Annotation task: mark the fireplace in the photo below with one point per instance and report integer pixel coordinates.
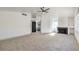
(63, 30)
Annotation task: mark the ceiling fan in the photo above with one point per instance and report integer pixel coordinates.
(43, 9)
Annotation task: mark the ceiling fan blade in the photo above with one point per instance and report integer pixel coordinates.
(41, 9)
(47, 9)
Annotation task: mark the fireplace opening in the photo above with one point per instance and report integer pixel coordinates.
(62, 30)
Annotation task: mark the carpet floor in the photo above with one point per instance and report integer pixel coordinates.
(40, 42)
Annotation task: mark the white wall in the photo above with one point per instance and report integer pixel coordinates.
(63, 22)
(77, 27)
(14, 24)
(45, 23)
(76, 22)
(77, 36)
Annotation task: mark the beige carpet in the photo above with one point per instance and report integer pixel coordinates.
(40, 42)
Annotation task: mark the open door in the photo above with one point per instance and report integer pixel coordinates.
(33, 26)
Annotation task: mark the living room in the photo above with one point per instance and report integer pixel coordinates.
(39, 28)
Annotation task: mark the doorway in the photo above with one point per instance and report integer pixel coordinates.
(33, 26)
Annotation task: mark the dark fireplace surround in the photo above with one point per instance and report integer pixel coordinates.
(63, 30)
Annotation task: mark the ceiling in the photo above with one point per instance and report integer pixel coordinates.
(64, 11)
(19, 9)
